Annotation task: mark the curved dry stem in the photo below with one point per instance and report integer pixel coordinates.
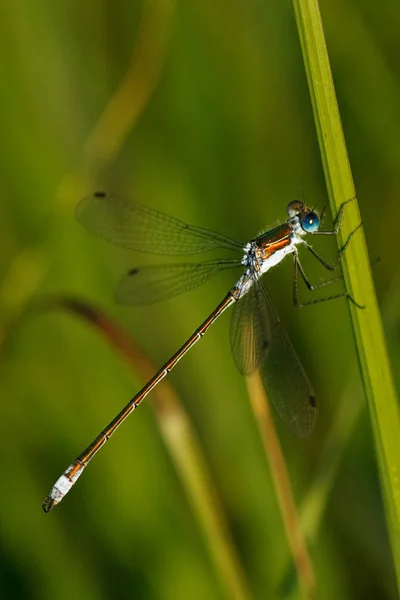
(180, 439)
(282, 486)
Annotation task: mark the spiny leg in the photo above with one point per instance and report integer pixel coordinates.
(312, 286)
(297, 266)
(338, 220)
(340, 254)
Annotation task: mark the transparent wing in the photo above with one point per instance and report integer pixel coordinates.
(283, 376)
(249, 325)
(144, 229)
(258, 340)
(145, 285)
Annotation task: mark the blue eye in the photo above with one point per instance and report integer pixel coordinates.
(310, 222)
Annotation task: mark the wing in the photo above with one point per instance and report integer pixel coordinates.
(283, 376)
(258, 340)
(144, 229)
(249, 330)
(145, 285)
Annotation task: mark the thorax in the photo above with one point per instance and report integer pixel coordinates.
(266, 251)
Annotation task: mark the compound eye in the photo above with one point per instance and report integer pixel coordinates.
(294, 208)
(310, 222)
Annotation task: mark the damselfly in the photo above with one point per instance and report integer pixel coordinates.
(258, 339)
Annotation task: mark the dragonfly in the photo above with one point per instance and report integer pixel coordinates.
(257, 337)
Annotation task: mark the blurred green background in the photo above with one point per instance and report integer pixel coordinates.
(223, 137)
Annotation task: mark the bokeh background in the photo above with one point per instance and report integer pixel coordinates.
(217, 131)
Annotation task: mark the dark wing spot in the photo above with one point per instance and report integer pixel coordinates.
(265, 345)
(133, 272)
(313, 401)
(99, 194)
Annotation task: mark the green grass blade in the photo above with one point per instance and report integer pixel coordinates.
(370, 341)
